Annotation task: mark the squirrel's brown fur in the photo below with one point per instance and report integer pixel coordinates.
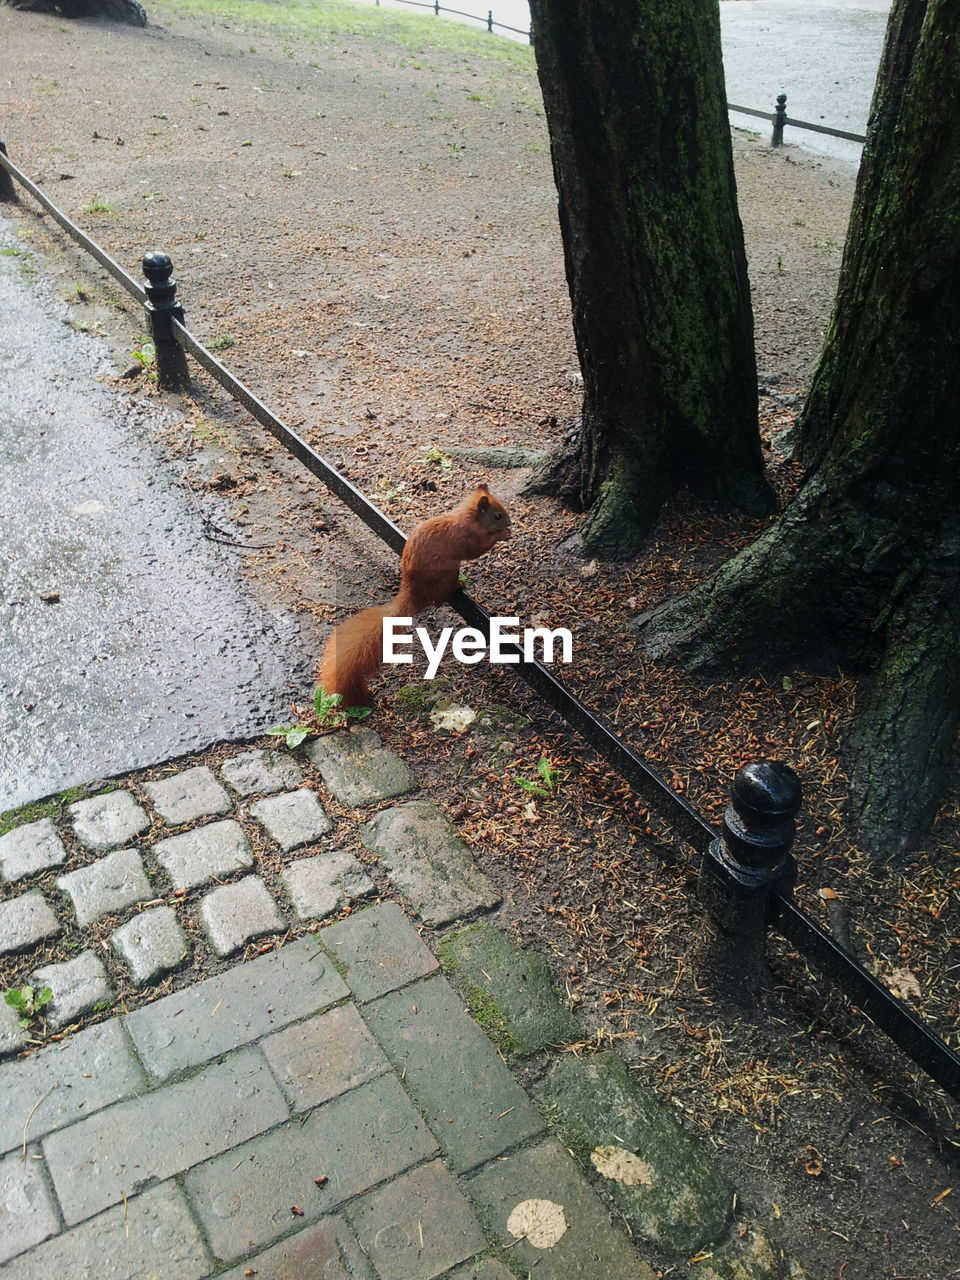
(429, 574)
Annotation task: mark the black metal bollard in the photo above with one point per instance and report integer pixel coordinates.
(8, 192)
(738, 873)
(779, 120)
(162, 307)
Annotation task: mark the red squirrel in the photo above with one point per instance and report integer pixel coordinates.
(429, 574)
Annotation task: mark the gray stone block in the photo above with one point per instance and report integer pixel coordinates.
(77, 986)
(107, 885)
(66, 1082)
(204, 854)
(320, 886)
(750, 1254)
(418, 1226)
(27, 1210)
(294, 819)
(316, 1060)
(104, 822)
(31, 848)
(249, 1001)
(357, 769)
(327, 1251)
(483, 1269)
(188, 796)
(12, 1036)
(148, 1235)
(452, 1072)
(235, 913)
(261, 772)
(151, 944)
(538, 1203)
(428, 862)
(512, 984)
(379, 950)
(161, 1133)
(243, 1198)
(661, 1178)
(25, 921)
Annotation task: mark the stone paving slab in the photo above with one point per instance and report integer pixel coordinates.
(234, 914)
(98, 1161)
(150, 1235)
(513, 984)
(12, 1036)
(247, 1002)
(660, 1177)
(106, 886)
(66, 1082)
(537, 1203)
(34, 847)
(151, 943)
(204, 854)
(293, 819)
(316, 1060)
(428, 862)
(320, 886)
(484, 1269)
(108, 821)
(77, 985)
(25, 921)
(326, 1251)
(261, 772)
(358, 770)
(379, 951)
(454, 1074)
(245, 1198)
(418, 1226)
(187, 796)
(28, 1213)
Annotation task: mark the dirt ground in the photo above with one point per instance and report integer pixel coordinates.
(363, 225)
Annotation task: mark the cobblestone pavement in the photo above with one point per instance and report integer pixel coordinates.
(328, 1109)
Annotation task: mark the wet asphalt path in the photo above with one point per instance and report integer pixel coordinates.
(126, 636)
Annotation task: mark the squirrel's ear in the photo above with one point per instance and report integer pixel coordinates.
(483, 503)
(482, 488)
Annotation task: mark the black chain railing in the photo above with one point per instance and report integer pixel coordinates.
(747, 870)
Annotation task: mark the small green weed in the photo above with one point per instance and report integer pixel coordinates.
(98, 205)
(145, 354)
(326, 713)
(28, 1002)
(436, 454)
(548, 779)
(221, 344)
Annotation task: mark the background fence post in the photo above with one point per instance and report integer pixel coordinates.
(162, 307)
(490, 21)
(739, 871)
(7, 190)
(779, 120)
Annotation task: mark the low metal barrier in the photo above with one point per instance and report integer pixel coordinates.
(747, 870)
(778, 117)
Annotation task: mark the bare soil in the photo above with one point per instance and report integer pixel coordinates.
(363, 224)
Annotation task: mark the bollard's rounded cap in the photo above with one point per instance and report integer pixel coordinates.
(767, 789)
(157, 267)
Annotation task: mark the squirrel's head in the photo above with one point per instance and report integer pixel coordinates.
(491, 513)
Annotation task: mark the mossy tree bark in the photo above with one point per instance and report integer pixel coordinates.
(864, 567)
(635, 104)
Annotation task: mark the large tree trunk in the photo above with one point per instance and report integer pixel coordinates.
(635, 103)
(864, 567)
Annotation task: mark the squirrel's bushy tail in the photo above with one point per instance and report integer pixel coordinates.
(354, 652)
